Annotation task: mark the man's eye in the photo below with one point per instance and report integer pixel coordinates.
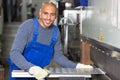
(53, 14)
(45, 13)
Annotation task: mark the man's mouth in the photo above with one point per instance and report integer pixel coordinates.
(48, 22)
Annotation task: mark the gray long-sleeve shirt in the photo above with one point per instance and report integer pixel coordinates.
(25, 34)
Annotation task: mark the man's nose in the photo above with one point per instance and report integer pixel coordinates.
(49, 16)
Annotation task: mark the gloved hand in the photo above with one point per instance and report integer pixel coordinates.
(79, 65)
(38, 72)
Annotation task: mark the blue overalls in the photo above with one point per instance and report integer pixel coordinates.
(37, 53)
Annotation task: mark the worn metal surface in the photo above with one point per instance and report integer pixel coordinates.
(106, 57)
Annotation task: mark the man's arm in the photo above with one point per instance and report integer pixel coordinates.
(19, 45)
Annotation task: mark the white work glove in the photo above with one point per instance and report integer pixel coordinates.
(38, 72)
(79, 65)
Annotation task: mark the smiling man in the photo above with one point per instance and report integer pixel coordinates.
(37, 42)
(47, 14)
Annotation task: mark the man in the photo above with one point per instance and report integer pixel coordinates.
(36, 43)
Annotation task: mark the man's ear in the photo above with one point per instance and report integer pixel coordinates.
(39, 12)
(56, 14)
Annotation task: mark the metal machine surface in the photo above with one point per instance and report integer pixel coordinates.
(107, 58)
(102, 31)
(104, 56)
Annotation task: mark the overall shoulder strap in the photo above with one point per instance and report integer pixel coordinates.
(36, 25)
(54, 35)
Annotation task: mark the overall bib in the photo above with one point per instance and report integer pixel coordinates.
(37, 53)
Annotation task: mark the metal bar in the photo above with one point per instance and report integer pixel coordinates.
(62, 72)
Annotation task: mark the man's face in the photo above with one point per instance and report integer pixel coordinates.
(47, 15)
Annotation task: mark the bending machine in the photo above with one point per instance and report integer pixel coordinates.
(102, 55)
(105, 57)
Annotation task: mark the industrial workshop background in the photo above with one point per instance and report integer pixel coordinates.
(92, 28)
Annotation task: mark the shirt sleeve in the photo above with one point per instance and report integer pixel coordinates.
(59, 57)
(18, 46)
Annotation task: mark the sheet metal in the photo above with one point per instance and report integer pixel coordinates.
(62, 72)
